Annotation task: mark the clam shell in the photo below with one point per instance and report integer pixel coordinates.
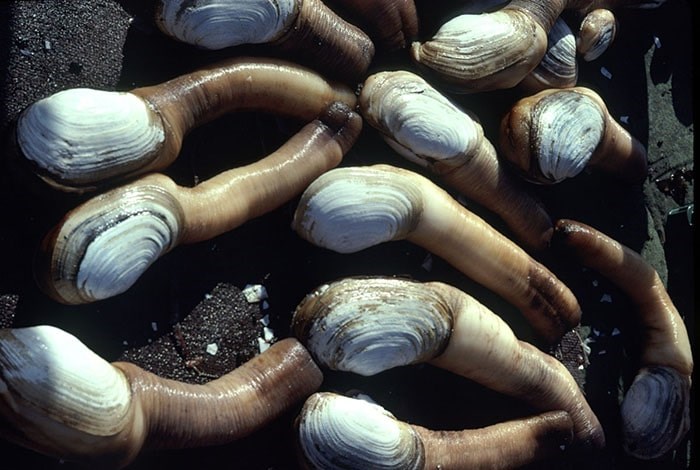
(50, 381)
(103, 246)
(217, 24)
(596, 33)
(566, 128)
(349, 209)
(559, 67)
(369, 325)
(655, 412)
(79, 137)
(416, 120)
(337, 432)
(483, 52)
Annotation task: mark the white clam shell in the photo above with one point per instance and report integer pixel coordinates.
(337, 432)
(566, 129)
(104, 246)
(655, 412)
(349, 209)
(81, 136)
(217, 24)
(369, 325)
(559, 67)
(49, 379)
(416, 120)
(470, 49)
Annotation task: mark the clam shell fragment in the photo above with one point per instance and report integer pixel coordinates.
(337, 432)
(106, 244)
(81, 136)
(367, 326)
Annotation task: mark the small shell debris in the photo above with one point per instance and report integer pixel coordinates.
(625, 119)
(427, 263)
(657, 42)
(263, 345)
(212, 349)
(255, 293)
(606, 298)
(154, 326)
(586, 347)
(606, 73)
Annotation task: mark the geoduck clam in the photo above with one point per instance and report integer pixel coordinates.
(556, 134)
(81, 139)
(339, 432)
(102, 247)
(655, 411)
(458, 55)
(497, 50)
(59, 398)
(305, 29)
(424, 126)
(371, 324)
(349, 209)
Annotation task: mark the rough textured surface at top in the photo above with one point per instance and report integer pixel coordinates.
(59, 44)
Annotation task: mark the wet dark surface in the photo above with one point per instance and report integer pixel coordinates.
(62, 44)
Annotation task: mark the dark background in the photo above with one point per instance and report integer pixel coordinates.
(52, 45)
